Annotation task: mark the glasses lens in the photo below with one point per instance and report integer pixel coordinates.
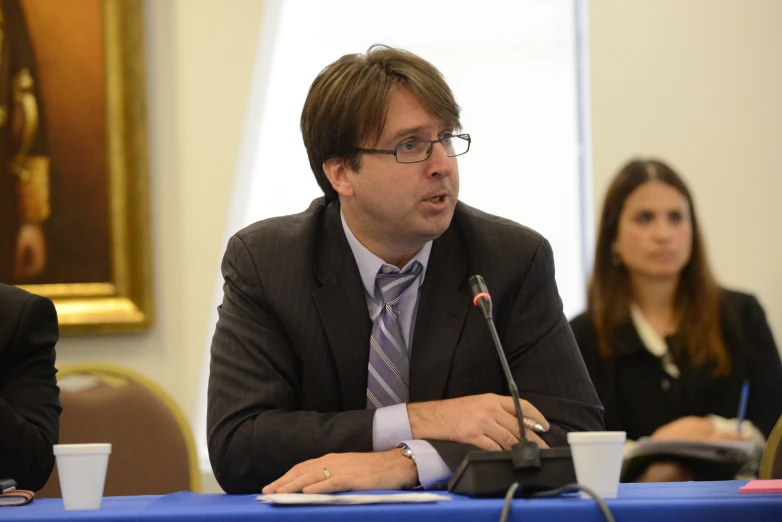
(456, 145)
(412, 151)
(416, 151)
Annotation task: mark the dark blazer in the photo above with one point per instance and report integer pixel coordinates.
(29, 396)
(291, 347)
(639, 396)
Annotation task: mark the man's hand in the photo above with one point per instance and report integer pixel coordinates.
(486, 421)
(348, 472)
(30, 251)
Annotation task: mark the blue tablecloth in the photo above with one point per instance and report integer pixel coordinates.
(690, 502)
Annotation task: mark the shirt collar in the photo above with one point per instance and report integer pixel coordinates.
(369, 264)
(653, 342)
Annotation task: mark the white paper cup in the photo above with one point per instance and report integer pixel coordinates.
(597, 457)
(82, 470)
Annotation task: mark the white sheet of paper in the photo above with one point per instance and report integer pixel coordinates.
(341, 500)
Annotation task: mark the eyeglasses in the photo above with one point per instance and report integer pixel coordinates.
(418, 151)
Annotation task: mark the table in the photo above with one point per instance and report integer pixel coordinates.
(689, 501)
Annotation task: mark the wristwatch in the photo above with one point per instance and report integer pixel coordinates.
(407, 452)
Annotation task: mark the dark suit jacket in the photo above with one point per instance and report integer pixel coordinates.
(639, 397)
(29, 396)
(290, 351)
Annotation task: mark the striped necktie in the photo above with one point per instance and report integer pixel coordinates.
(389, 362)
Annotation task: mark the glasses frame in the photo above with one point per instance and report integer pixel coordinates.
(431, 143)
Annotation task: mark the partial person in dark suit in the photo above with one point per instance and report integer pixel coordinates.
(347, 354)
(667, 348)
(29, 396)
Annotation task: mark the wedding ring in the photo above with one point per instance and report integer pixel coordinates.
(326, 472)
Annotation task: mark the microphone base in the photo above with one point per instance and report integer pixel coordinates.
(491, 473)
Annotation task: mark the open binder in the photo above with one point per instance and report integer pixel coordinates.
(714, 460)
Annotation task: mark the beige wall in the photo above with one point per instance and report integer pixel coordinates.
(699, 83)
(199, 59)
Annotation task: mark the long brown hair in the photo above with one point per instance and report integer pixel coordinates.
(697, 296)
(347, 103)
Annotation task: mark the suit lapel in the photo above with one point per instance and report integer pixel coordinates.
(343, 309)
(441, 313)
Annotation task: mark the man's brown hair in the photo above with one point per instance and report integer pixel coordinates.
(697, 297)
(347, 104)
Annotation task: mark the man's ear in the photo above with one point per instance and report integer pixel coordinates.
(337, 173)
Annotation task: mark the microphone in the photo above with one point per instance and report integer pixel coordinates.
(526, 453)
(491, 473)
(481, 297)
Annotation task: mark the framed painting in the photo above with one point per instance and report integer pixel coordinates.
(74, 196)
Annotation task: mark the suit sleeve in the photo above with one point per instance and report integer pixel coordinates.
(256, 431)
(765, 370)
(29, 398)
(544, 359)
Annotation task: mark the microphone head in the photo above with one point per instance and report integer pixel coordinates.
(478, 286)
(480, 295)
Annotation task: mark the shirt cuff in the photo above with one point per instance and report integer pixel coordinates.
(390, 426)
(433, 473)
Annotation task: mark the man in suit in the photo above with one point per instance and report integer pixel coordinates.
(347, 354)
(29, 396)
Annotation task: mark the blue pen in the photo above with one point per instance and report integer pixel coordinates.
(742, 414)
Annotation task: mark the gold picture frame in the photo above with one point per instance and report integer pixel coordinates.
(125, 302)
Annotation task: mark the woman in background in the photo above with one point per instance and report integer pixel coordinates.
(667, 348)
